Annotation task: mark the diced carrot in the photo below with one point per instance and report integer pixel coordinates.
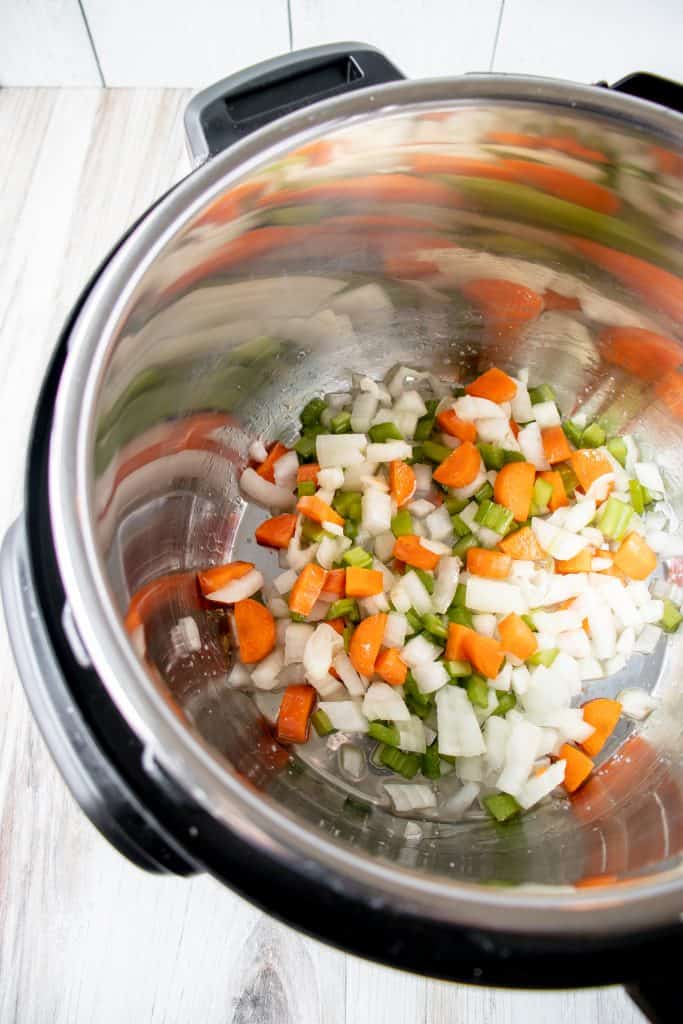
(603, 714)
(515, 429)
(558, 498)
(409, 549)
(522, 544)
(505, 306)
(589, 464)
(401, 481)
(555, 300)
(307, 589)
(555, 445)
(494, 385)
(308, 473)
(516, 637)
(295, 713)
(514, 488)
(492, 564)
(635, 558)
(484, 653)
(460, 468)
(335, 582)
(643, 353)
(255, 628)
(455, 645)
(337, 626)
(450, 423)
(366, 642)
(579, 563)
(266, 468)
(318, 510)
(276, 532)
(578, 767)
(221, 575)
(363, 582)
(391, 667)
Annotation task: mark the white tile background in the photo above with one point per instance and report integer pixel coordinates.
(189, 44)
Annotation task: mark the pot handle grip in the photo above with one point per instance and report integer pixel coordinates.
(659, 999)
(654, 88)
(231, 109)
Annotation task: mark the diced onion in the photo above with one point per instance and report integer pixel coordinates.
(430, 676)
(285, 471)
(263, 492)
(520, 754)
(458, 728)
(389, 451)
(257, 451)
(531, 446)
(412, 735)
(354, 682)
(352, 761)
(470, 408)
(320, 649)
(376, 512)
(540, 785)
(384, 702)
(439, 524)
(546, 415)
(296, 638)
(417, 592)
(649, 476)
(485, 595)
(331, 479)
(556, 541)
(340, 450)
(362, 411)
(419, 650)
(395, 631)
(238, 590)
(265, 675)
(447, 575)
(636, 703)
(345, 715)
(647, 639)
(410, 796)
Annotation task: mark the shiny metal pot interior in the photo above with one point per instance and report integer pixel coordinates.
(335, 241)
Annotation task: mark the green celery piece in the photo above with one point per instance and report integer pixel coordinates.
(542, 393)
(506, 702)
(616, 446)
(344, 608)
(464, 544)
(341, 423)
(545, 657)
(501, 806)
(435, 452)
(509, 456)
(321, 723)
(572, 433)
(348, 504)
(348, 633)
(295, 617)
(541, 494)
(461, 616)
(494, 517)
(648, 498)
(401, 762)
(493, 456)
(416, 456)
(381, 432)
(431, 762)
(460, 528)
(305, 448)
(424, 427)
(411, 689)
(402, 523)
(529, 619)
(426, 578)
(569, 477)
(417, 709)
(458, 669)
(351, 529)
(414, 621)
(357, 557)
(434, 626)
(460, 594)
(637, 499)
(613, 518)
(312, 532)
(477, 691)
(305, 488)
(592, 436)
(671, 618)
(312, 411)
(485, 493)
(388, 734)
(455, 505)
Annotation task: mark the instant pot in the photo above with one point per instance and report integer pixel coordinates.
(334, 213)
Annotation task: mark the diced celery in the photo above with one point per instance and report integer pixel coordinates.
(493, 456)
(458, 669)
(461, 616)
(321, 723)
(460, 528)
(344, 608)
(348, 504)
(348, 633)
(312, 532)
(400, 761)
(616, 446)
(672, 618)
(542, 494)
(305, 448)
(485, 493)
(636, 492)
(312, 411)
(648, 497)
(477, 691)
(464, 544)
(305, 488)
(426, 578)
(545, 657)
(357, 557)
(341, 423)
(424, 427)
(509, 456)
(592, 436)
(613, 518)
(460, 594)
(412, 693)
(494, 517)
(431, 762)
(381, 432)
(501, 806)
(529, 619)
(506, 702)
(572, 433)
(455, 505)
(351, 529)
(569, 477)
(388, 734)
(434, 625)
(542, 393)
(402, 523)
(435, 452)
(414, 621)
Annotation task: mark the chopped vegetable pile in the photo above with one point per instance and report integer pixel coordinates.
(458, 563)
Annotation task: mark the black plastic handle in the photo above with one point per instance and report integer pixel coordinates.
(653, 88)
(233, 108)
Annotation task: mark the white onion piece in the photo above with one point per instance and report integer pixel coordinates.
(649, 476)
(417, 592)
(436, 547)
(540, 785)
(484, 595)
(258, 451)
(590, 668)
(485, 623)
(575, 643)
(412, 735)
(651, 612)
(461, 493)
(603, 629)
(268, 704)
(574, 517)
(330, 479)
(626, 642)
(496, 732)
(285, 470)
(279, 608)
(296, 638)
(556, 541)
(376, 512)
(321, 647)
(647, 639)
(400, 598)
(384, 702)
(470, 769)
(430, 676)
(265, 675)
(373, 605)
(239, 677)
(419, 650)
(354, 475)
(636, 703)
(352, 761)
(458, 728)
(389, 451)
(666, 545)
(493, 431)
(340, 450)
(520, 754)
(521, 407)
(423, 478)
(395, 630)
(546, 415)
(384, 545)
(375, 482)
(354, 682)
(285, 581)
(521, 678)
(470, 408)
(362, 411)
(522, 568)
(410, 796)
(411, 401)
(615, 664)
(503, 680)
(238, 590)
(469, 514)
(531, 446)
(599, 489)
(345, 715)
(421, 508)
(263, 492)
(561, 588)
(458, 804)
(447, 576)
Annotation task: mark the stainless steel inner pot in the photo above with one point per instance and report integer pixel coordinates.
(334, 241)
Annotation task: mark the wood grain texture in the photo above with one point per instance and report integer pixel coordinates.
(588, 42)
(425, 37)
(175, 43)
(45, 42)
(84, 936)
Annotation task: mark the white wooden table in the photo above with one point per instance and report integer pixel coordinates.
(84, 936)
